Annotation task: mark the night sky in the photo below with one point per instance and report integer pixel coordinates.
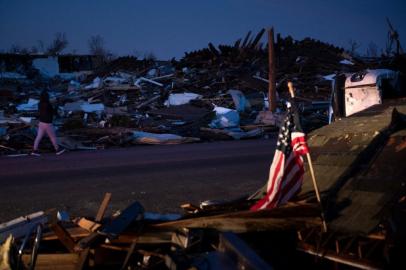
(168, 28)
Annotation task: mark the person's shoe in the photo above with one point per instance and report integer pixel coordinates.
(35, 153)
(60, 151)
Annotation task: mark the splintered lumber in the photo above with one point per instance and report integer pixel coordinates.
(244, 43)
(113, 230)
(123, 87)
(88, 225)
(257, 38)
(283, 218)
(128, 256)
(63, 235)
(231, 245)
(83, 255)
(190, 208)
(82, 259)
(103, 207)
(145, 103)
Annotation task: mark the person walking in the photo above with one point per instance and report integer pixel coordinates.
(46, 114)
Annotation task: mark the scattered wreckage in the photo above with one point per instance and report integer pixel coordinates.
(218, 93)
(210, 94)
(362, 186)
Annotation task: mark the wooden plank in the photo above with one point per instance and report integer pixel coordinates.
(123, 87)
(242, 225)
(282, 218)
(258, 38)
(75, 233)
(182, 238)
(246, 258)
(103, 207)
(343, 259)
(145, 237)
(145, 103)
(88, 225)
(63, 235)
(53, 261)
(86, 242)
(190, 208)
(82, 259)
(112, 230)
(129, 253)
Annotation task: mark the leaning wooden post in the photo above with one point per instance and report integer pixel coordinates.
(271, 74)
(309, 161)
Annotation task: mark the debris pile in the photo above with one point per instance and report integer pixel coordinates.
(365, 217)
(210, 94)
(136, 239)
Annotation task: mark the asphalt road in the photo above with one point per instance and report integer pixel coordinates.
(160, 177)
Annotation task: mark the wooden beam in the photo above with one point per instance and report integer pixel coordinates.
(272, 72)
(282, 218)
(244, 43)
(257, 38)
(84, 254)
(82, 259)
(333, 256)
(53, 261)
(112, 230)
(103, 207)
(145, 237)
(129, 254)
(86, 242)
(63, 236)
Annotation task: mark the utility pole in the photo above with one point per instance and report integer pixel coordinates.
(271, 75)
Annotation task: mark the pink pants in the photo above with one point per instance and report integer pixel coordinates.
(49, 130)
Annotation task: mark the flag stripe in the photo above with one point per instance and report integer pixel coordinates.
(286, 171)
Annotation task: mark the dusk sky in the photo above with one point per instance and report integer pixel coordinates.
(169, 28)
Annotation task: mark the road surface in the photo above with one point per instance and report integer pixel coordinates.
(160, 177)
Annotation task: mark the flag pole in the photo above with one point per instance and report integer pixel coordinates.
(309, 161)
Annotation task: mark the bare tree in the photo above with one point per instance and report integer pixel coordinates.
(58, 44)
(372, 50)
(354, 45)
(96, 45)
(149, 56)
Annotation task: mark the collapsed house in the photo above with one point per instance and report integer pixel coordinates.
(211, 94)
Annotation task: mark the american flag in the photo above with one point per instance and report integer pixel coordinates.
(286, 172)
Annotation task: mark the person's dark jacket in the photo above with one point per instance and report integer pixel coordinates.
(46, 112)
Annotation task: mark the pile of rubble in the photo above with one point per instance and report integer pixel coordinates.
(136, 239)
(210, 94)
